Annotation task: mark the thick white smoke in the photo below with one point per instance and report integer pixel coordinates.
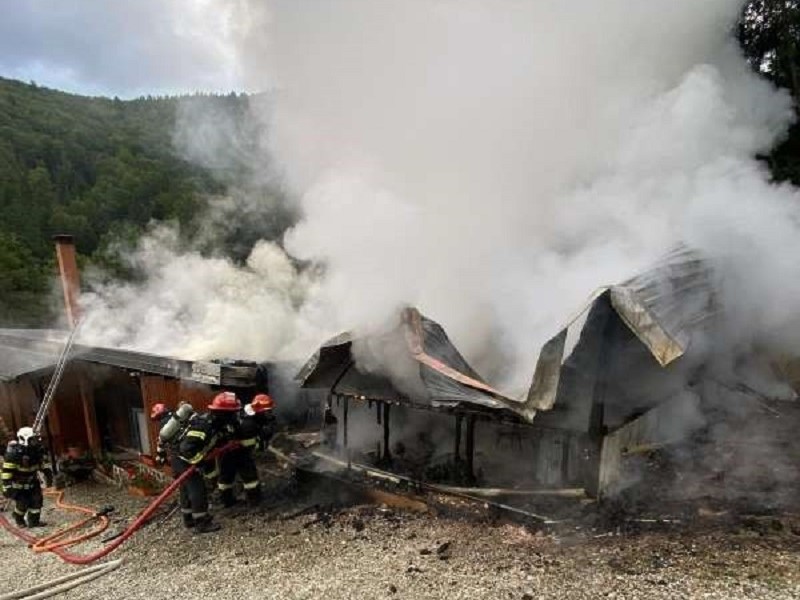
(493, 162)
(197, 307)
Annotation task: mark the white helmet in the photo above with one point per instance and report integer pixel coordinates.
(26, 435)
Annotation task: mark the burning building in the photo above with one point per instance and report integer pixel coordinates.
(630, 375)
(103, 401)
(106, 394)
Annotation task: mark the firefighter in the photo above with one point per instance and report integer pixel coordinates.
(203, 433)
(20, 480)
(171, 427)
(241, 461)
(166, 450)
(260, 411)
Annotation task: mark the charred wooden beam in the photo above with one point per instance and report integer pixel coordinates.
(345, 407)
(387, 455)
(470, 449)
(457, 452)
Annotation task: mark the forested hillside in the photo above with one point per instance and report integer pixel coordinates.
(98, 168)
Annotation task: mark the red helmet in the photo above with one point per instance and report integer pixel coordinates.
(225, 401)
(157, 411)
(261, 403)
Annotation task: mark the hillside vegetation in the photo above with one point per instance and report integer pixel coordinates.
(98, 168)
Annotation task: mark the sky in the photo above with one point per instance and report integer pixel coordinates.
(119, 48)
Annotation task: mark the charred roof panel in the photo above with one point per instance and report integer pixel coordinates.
(663, 307)
(16, 363)
(36, 349)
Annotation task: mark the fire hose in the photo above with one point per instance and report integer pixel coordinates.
(59, 539)
(64, 583)
(139, 521)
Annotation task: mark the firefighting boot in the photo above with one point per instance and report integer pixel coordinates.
(34, 520)
(227, 497)
(19, 519)
(205, 525)
(188, 520)
(254, 496)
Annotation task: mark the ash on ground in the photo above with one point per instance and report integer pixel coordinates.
(315, 545)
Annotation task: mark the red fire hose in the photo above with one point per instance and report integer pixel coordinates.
(141, 519)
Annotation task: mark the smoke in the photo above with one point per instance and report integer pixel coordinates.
(491, 163)
(197, 307)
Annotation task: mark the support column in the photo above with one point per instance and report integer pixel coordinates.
(344, 420)
(457, 451)
(387, 454)
(89, 415)
(471, 446)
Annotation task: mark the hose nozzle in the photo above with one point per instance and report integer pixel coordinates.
(104, 511)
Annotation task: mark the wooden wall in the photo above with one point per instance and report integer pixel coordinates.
(17, 404)
(66, 418)
(111, 394)
(171, 392)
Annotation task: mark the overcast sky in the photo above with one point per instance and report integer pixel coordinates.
(118, 47)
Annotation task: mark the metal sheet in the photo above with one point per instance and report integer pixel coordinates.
(37, 349)
(663, 306)
(15, 363)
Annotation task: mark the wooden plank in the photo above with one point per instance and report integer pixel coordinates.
(86, 393)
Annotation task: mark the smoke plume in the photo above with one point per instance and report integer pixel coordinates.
(493, 163)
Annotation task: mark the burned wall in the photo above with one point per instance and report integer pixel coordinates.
(433, 446)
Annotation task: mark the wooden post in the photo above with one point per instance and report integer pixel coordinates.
(344, 420)
(471, 446)
(470, 449)
(89, 415)
(387, 455)
(457, 452)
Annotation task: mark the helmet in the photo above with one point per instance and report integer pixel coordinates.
(262, 403)
(157, 411)
(26, 436)
(226, 401)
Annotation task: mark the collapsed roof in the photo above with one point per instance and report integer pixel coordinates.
(663, 306)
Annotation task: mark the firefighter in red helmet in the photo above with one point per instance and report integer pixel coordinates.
(202, 434)
(158, 411)
(261, 413)
(242, 459)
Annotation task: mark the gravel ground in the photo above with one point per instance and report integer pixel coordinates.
(371, 552)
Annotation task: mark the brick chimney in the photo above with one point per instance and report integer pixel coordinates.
(70, 278)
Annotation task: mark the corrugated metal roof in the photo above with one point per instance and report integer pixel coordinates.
(17, 362)
(28, 350)
(663, 306)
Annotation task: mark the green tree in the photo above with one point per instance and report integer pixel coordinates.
(769, 34)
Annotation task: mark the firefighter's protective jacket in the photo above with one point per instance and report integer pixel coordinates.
(247, 431)
(198, 439)
(20, 467)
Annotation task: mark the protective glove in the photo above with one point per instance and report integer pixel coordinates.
(161, 457)
(9, 492)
